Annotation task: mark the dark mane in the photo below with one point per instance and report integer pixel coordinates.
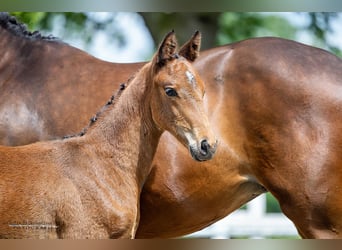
(11, 24)
(110, 102)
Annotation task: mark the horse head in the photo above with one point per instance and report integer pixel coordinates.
(177, 99)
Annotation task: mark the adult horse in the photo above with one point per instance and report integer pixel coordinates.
(274, 104)
(88, 186)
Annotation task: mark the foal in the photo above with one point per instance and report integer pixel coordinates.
(89, 186)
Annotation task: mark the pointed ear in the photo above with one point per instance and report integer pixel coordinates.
(167, 49)
(190, 50)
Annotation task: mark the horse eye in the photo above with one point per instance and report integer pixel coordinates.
(171, 92)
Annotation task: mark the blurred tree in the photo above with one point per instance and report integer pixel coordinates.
(272, 205)
(217, 28)
(227, 27)
(184, 24)
(239, 26)
(320, 26)
(72, 24)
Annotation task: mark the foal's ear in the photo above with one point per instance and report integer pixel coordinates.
(190, 50)
(167, 49)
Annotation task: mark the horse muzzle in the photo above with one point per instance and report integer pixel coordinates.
(203, 151)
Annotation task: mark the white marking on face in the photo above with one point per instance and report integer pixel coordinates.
(191, 77)
(192, 143)
(190, 138)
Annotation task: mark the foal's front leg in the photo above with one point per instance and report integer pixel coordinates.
(125, 226)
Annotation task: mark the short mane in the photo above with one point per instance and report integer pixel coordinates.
(110, 102)
(92, 120)
(11, 24)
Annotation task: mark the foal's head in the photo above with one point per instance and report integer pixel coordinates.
(177, 97)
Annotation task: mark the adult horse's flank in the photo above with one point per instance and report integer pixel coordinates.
(89, 186)
(276, 106)
(46, 86)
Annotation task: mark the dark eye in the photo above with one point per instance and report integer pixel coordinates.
(171, 92)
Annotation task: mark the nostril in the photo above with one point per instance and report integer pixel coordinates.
(204, 147)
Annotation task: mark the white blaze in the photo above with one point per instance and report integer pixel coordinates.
(191, 77)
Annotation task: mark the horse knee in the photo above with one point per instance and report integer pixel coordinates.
(125, 227)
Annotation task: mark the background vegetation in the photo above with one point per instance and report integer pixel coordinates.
(218, 28)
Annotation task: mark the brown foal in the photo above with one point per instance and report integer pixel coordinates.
(88, 186)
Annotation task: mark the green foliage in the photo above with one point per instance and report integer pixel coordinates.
(272, 205)
(44, 20)
(31, 19)
(72, 24)
(184, 23)
(239, 26)
(320, 25)
(218, 28)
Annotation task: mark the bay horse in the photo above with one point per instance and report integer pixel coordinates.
(274, 104)
(88, 186)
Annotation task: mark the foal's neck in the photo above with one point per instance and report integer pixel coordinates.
(126, 131)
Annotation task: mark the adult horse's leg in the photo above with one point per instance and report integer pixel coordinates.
(315, 216)
(301, 169)
(314, 202)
